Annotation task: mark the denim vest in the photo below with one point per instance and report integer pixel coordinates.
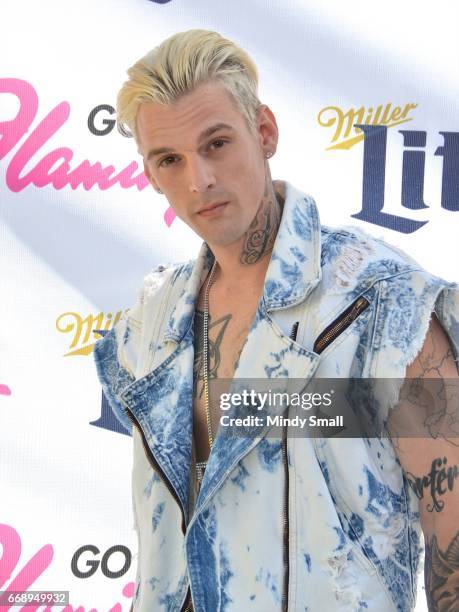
(307, 524)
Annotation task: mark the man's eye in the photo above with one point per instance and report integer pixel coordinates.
(218, 144)
(167, 161)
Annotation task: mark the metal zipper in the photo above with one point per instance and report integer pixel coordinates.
(285, 517)
(187, 606)
(156, 465)
(285, 523)
(332, 331)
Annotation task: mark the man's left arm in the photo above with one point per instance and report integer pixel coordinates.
(425, 431)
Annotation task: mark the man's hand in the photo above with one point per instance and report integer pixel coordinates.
(429, 413)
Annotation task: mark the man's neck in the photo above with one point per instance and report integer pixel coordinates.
(248, 262)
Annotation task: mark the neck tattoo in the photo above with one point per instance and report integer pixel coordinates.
(263, 229)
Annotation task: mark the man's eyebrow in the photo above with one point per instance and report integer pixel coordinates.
(214, 128)
(202, 136)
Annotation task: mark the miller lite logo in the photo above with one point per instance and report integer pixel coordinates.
(370, 126)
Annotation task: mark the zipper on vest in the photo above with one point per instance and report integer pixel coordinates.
(187, 606)
(156, 465)
(286, 526)
(285, 523)
(332, 331)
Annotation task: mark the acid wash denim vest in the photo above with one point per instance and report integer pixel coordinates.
(323, 525)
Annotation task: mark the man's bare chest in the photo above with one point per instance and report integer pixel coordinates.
(228, 327)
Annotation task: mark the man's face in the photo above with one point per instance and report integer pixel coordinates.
(201, 153)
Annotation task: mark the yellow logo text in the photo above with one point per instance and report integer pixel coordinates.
(83, 332)
(345, 135)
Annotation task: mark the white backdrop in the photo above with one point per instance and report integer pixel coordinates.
(75, 245)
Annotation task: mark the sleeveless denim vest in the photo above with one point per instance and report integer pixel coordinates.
(325, 524)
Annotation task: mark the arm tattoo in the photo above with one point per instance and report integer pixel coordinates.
(214, 356)
(441, 571)
(438, 481)
(440, 401)
(433, 397)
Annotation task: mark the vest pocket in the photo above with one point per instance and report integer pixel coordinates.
(340, 324)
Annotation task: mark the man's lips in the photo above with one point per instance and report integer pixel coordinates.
(212, 209)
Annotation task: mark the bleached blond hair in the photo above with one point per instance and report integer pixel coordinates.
(181, 63)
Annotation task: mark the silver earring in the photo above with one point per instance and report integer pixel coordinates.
(268, 154)
(159, 191)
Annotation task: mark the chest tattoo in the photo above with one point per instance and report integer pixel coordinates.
(216, 332)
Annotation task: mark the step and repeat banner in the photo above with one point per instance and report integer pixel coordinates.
(80, 227)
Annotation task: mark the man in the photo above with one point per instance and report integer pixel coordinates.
(257, 522)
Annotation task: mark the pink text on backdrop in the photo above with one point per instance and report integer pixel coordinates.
(54, 168)
(10, 544)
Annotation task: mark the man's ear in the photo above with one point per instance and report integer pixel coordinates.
(267, 129)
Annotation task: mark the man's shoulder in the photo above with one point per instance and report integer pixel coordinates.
(352, 250)
(164, 275)
(334, 238)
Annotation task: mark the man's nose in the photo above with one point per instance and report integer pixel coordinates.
(200, 174)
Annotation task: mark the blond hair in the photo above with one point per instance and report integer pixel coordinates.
(181, 63)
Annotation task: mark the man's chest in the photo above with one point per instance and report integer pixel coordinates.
(228, 325)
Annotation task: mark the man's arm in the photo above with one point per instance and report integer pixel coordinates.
(428, 415)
